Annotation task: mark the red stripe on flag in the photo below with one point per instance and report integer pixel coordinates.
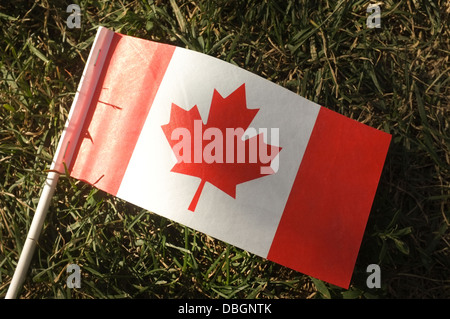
(133, 71)
(321, 228)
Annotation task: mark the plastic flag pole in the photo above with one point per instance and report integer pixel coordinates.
(33, 235)
(64, 152)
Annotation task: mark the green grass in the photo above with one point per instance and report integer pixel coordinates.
(395, 78)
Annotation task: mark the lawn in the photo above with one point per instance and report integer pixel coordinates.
(394, 78)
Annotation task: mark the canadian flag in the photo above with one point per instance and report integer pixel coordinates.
(225, 152)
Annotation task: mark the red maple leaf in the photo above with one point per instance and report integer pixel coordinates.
(216, 152)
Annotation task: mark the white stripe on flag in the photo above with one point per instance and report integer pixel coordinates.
(250, 220)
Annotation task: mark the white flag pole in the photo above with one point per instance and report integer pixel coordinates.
(33, 235)
(64, 152)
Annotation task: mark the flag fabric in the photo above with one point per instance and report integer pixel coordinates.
(161, 127)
